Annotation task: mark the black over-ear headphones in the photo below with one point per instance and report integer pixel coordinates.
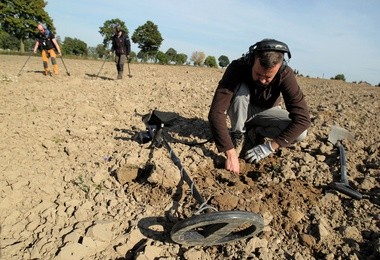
(267, 45)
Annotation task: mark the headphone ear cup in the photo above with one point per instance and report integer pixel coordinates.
(283, 66)
(250, 55)
(251, 59)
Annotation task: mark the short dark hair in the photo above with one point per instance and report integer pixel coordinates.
(269, 59)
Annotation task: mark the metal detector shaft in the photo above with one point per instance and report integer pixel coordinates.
(67, 72)
(129, 70)
(102, 65)
(213, 228)
(184, 174)
(19, 73)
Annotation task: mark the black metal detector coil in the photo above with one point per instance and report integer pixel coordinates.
(212, 228)
(216, 228)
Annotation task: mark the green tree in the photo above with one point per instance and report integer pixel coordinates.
(210, 61)
(162, 58)
(108, 29)
(171, 54)
(21, 17)
(29, 44)
(180, 59)
(142, 56)
(132, 56)
(339, 77)
(8, 41)
(148, 39)
(223, 61)
(101, 50)
(59, 40)
(198, 58)
(74, 46)
(91, 52)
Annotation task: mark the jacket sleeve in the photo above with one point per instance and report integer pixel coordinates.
(296, 105)
(218, 119)
(221, 102)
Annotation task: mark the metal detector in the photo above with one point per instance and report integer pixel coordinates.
(105, 59)
(67, 72)
(19, 73)
(211, 228)
(129, 69)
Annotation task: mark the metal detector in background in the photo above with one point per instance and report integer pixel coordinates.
(105, 59)
(212, 227)
(336, 137)
(19, 73)
(129, 69)
(67, 72)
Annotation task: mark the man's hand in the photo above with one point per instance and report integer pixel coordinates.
(258, 152)
(232, 161)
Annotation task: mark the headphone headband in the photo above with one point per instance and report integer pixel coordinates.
(270, 45)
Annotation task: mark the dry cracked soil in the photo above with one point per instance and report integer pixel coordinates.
(78, 181)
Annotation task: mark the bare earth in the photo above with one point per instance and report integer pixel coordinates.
(72, 170)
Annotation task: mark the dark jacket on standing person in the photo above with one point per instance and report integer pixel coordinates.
(284, 84)
(121, 44)
(45, 40)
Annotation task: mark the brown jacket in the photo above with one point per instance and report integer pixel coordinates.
(284, 84)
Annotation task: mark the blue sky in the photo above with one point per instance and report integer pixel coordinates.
(325, 37)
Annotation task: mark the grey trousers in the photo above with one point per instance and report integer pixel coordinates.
(245, 116)
(120, 60)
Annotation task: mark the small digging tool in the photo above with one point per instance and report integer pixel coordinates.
(336, 137)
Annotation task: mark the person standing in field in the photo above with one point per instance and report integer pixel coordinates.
(121, 45)
(48, 45)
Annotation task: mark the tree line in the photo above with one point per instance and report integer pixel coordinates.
(19, 19)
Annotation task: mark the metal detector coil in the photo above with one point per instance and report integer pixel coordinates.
(216, 228)
(211, 228)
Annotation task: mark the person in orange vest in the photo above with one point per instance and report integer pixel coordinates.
(48, 45)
